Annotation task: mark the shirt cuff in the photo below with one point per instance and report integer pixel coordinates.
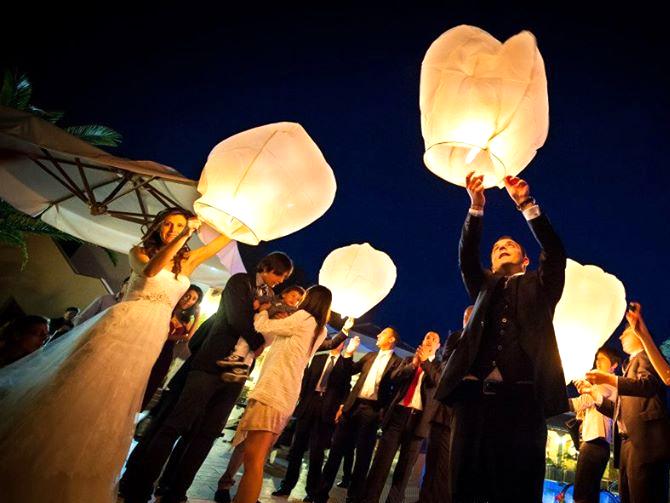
(476, 213)
(597, 397)
(532, 212)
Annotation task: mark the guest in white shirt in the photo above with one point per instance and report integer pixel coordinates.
(404, 424)
(596, 432)
(360, 415)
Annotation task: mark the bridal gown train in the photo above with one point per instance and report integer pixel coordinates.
(67, 411)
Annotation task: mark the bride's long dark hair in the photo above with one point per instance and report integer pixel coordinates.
(317, 302)
(152, 242)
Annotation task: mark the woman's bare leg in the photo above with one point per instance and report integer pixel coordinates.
(227, 480)
(257, 446)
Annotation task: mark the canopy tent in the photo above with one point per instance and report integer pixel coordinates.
(88, 193)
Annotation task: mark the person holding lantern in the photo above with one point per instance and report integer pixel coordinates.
(505, 376)
(641, 420)
(596, 432)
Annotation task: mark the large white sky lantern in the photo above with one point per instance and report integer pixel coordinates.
(265, 183)
(359, 277)
(484, 104)
(591, 308)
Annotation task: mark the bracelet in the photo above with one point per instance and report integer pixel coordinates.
(529, 201)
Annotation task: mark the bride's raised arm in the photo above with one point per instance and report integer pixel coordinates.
(200, 255)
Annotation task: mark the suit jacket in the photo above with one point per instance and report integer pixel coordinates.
(234, 319)
(362, 367)
(537, 294)
(402, 376)
(642, 407)
(339, 385)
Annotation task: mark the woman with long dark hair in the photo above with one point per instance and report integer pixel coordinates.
(182, 325)
(67, 411)
(273, 399)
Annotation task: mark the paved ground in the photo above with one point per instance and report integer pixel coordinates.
(204, 486)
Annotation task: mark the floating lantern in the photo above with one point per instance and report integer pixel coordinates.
(359, 278)
(484, 105)
(591, 307)
(265, 183)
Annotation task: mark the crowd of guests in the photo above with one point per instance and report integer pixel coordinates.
(479, 399)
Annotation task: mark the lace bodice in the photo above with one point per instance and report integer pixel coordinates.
(163, 288)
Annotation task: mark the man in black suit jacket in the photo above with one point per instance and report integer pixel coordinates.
(641, 425)
(325, 385)
(406, 421)
(435, 483)
(205, 402)
(360, 414)
(505, 376)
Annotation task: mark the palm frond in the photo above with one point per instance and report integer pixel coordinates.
(16, 90)
(96, 134)
(112, 255)
(13, 220)
(15, 239)
(24, 90)
(8, 89)
(665, 348)
(51, 116)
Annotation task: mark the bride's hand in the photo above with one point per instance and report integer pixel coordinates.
(192, 225)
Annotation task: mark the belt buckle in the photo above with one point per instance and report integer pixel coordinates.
(488, 388)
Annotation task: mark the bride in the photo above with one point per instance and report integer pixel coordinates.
(67, 410)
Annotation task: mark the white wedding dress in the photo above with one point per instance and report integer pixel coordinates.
(67, 411)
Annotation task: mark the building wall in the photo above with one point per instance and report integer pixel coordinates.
(47, 285)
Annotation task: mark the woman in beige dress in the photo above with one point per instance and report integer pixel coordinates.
(273, 399)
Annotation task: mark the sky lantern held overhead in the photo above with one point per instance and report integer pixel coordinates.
(359, 277)
(484, 104)
(591, 307)
(265, 183)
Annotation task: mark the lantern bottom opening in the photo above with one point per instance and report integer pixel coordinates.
(226, 223)
(452, 161)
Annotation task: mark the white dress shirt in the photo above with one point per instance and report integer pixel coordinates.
(594, 424)
(330, 358)
(371, 385)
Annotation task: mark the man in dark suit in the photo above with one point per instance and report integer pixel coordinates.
(205, 402)
(360, 414)
(641, 424)
(324, 387)
(505, 376)
(435, 483)
(406, 421)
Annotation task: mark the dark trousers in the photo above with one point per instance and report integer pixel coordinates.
(498, 444)
(199, 416)
(641, 482)
(359, 428)
(591, 464)
(313, 433)
(398, 433)
(435, 484)
(348, 464)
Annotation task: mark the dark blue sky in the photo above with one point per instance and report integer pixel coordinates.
(175, 82)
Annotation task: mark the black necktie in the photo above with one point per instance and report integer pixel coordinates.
(323, 382)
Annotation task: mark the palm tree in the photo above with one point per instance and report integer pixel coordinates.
(16, 92)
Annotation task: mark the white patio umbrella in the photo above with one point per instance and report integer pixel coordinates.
(90, 194)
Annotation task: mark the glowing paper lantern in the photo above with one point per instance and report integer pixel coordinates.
(484, 104)
(359, 277)
(591, 307)
(265, 183)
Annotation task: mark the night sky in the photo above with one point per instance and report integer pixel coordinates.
(175, 82)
